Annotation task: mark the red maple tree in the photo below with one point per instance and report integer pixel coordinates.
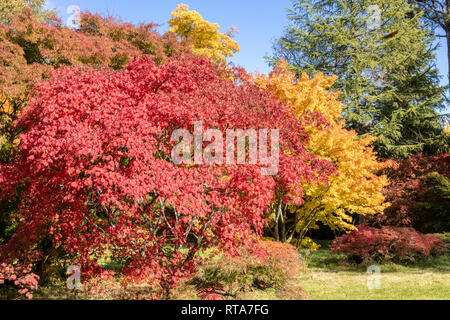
(94, 175)
(418, 193)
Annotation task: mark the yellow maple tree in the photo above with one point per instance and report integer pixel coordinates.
(356, 188)
(206, 38)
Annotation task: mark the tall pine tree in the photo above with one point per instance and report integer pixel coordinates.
(383, 54)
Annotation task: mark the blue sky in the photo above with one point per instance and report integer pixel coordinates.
(259, 22)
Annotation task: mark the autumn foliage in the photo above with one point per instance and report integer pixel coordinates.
(395, 244)
(419, 193)
(94, 173)
(21, 276)
(268, 265)
(30, 49)
(355, 188)
(87, 175)
(205, 36)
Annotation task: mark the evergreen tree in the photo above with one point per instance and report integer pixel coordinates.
(437, 12)
(383, 54)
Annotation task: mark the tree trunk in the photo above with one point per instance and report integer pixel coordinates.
(277, 233)
(283, 225)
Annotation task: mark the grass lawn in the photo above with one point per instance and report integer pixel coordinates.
(322, 276)
(329, 277)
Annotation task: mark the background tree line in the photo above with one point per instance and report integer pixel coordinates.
(387, 72)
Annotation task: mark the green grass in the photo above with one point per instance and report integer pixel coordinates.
(330, 277)
(325, 276)
(394, 286)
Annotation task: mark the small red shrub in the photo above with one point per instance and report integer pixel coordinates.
(267, 265)
(386, 244)
(21, 276)
(283, 256)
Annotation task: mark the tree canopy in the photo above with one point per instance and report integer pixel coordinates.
(355, 188)
(386, 70)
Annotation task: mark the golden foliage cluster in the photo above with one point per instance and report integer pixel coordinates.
(356, 188)
(207, 40)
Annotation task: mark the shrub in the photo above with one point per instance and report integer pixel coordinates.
(282, 256)
(270, 266)
(443, 236)
(419, 194)
(20, 277)
(403, 245)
